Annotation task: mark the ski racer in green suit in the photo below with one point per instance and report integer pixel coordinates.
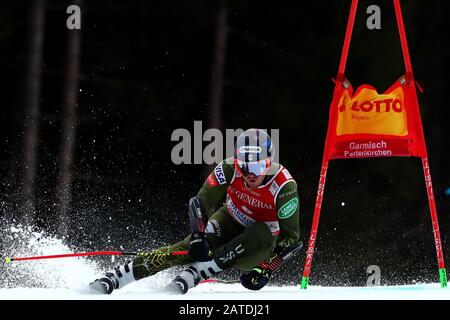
(258, 215)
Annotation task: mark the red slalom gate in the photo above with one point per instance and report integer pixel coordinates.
(367, 124)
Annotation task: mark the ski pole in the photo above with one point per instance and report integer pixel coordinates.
(84, 254)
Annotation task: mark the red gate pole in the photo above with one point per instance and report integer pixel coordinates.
(315, 224)
(348, 37)
(323, 171)
(425, 164)
(434, 219)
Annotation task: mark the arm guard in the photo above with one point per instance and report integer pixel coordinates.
(197, 215)
(199, 248)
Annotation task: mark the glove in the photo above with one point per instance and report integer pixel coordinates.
(287, 242)
(256, 278)
(199, 247)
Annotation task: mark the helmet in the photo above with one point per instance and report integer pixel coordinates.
(253, 152)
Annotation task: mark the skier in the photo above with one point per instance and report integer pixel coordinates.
(259, 218)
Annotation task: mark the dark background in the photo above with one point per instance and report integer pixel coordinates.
(145, 70)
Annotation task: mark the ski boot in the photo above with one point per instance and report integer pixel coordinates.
(119, 277)
(192, 276)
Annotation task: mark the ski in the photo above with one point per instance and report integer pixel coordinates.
(274, 265)
(282, 258)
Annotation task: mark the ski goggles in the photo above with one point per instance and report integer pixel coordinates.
(257, 168)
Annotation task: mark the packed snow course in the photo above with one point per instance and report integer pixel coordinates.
(68, 278)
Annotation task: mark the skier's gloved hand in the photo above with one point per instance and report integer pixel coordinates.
(287, 242)
(199, 247)
(256, 278)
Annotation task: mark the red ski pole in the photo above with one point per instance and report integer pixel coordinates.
(84, 254)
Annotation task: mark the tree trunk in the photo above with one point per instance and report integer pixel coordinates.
(32, 111)
(218, 70)
(65, 178)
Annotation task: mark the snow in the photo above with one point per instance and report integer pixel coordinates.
(215, 291)
(68, 279)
